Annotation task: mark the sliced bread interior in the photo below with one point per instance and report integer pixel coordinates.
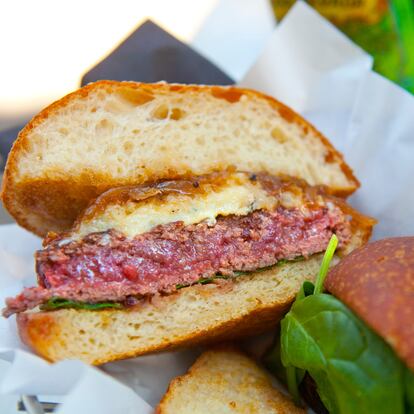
(225, 381)
(109, 134)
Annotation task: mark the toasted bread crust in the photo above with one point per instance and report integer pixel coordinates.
(224, 378)
(40, 331)
(377, 283)
(52, 202)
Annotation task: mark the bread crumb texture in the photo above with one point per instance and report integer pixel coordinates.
(225, 381)
(109, 134)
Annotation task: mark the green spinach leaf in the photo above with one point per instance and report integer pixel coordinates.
(409, 391)
(295, 375)
(61, 303)
(354, 369)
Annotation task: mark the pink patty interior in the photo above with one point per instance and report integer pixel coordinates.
(110, 266)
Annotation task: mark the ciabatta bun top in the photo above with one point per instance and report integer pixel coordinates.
(377, 282)
(110, 134)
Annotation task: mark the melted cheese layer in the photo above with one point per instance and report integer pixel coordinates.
(239, 196)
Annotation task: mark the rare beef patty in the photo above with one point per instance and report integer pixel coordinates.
(108, 266)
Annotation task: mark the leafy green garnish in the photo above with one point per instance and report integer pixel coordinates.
(306, 290)
(326, 261)
(355, 371)
(293, 375)
(409, 391)
(61, 303)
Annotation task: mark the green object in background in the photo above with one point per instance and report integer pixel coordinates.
(385, 29)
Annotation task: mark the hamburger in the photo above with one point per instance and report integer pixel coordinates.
(172, 215)
(351, 349)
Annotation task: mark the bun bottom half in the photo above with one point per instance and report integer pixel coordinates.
(199, 314)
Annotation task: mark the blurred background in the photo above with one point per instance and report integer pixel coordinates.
(47, 46)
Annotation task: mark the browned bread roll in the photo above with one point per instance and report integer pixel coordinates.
(377, 283)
